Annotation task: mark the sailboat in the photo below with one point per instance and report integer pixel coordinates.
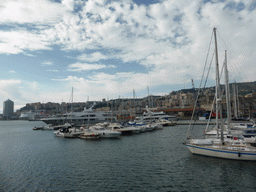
(235, 148)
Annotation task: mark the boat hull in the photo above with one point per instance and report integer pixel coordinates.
(110, 135)
(222, 153)
(66, 135)
(90, 136)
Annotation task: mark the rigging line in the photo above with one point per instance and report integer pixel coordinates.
(208, 71)
(192, 116)
(222, 95)
(236, 68)
(208, 123)
(71, 100)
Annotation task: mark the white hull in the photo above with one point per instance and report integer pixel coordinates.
(136, 131)
(222, 153)
(66, 135)
(150, 128)
(70, 134)
(104, 133)
(89, 116)
(90, 135)
(110, 135)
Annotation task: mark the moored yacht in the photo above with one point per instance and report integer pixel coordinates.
(87, 116)
(88, 134)
(68, 131)
(166, 123)
(104, 133)
(151, 116)
(125, 130)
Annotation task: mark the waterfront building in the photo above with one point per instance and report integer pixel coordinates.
(8, 107)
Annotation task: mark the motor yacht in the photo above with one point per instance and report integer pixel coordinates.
(88, 134)
(125, 130)
(104, 133)
(87, 116)
(69, 132)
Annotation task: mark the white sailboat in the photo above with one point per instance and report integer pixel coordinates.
(221, 147)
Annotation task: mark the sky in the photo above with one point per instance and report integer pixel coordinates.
(108, 48)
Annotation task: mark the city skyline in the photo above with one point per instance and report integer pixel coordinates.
(107, 49)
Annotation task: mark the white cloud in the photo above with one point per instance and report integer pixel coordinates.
(69, 4)
(7, 83)
(96, 56)
(53, 70)
(14, 42)
(28, 54)
(12, 71)
(9, 89)
(26, 21)
(30, 11)
(69, 78)
(87, 67)
(47, 63)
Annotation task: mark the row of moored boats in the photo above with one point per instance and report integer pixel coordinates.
(103, 130)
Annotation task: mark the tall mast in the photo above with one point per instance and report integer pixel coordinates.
(227, 90)
(237, 100)
(217, 89)
(134, 103)
(234, 98)
(149, 102)
(71, 105)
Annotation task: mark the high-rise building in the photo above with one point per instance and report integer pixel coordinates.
(8, 109)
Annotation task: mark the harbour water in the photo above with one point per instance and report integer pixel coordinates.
(153, 161)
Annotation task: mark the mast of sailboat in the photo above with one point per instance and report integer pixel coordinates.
(217, 89)
(148, 98)
(111, 109)
(134, 105)
(237, 100)
(227, 90)
(234, 98)
(71, 105)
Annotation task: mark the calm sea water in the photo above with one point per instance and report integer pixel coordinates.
(154, 161)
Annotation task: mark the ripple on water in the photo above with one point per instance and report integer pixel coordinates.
(154, 161)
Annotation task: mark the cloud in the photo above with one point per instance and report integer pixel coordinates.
(14, 42)
(24, 22)
(33, 85)
(28, 54)
(87, 67)
(47, 63)
(53, 70)
(69, 4)
(6, 83)
(94, 57)
(100, 85)
(69, 78)
(29, 11)
(12, 72)
(9, 89)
